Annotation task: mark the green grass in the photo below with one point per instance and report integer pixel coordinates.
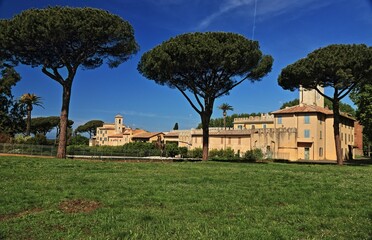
(212, 200)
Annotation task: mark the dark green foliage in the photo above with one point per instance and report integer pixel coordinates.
(135, 149)
(79, 146)
(195, 153)
(43, 125)
(57, 37)
(221, 154)
(253, 155)
(11, 111)
(203, 67)
(175, 126)
(208, 61)
(292, 103)
(362, 97)
(171, 150)
(338, 66)
(344, 107)
(79, 140)
(183, 151)
(89, 127)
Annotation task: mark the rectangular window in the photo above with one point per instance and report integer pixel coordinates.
(307, 133)
(264, 126)
(320, 152)
(320, 135)
(239, 141)
(307, 119)
(280, 120)
(240, 127)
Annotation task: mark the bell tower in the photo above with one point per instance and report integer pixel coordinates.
(118, 123)
(311, 97)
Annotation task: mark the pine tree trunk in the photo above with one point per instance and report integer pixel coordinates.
(206, 117)
(62, 144)
(205, 142)
(336, 129)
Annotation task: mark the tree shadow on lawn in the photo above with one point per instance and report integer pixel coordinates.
(358, 162)
(354, 162)
(240, 161)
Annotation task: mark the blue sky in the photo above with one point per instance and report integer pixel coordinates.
(286, 29)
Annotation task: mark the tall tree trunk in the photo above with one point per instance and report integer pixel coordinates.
(206, 117)
(28, 121)
(336, 129)
(205, 123)
(61, 153)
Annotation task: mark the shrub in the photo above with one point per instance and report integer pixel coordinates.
(227, 154)
(196, 153)
(79, 140)
(254, 155)
(171, 150)
(38, 139)
(20, 139)
(183, 151)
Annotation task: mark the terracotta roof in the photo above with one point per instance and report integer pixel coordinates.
(309, 109)
(172, 134)
(146, 134)
(225, 132)
(304, 108)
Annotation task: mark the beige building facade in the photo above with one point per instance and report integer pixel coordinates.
(302, 132)
(117, 134)
(263, 121)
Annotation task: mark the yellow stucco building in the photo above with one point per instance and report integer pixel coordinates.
(302, 132)
(117, 134)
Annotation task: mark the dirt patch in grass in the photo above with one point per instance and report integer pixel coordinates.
(78, 206)
(4, 217)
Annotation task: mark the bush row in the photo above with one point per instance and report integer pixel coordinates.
(140, 149)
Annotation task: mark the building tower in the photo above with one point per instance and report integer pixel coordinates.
(311, 97)
(118, 123)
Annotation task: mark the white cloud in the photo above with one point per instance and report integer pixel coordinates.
(227, 6)
(265, 8)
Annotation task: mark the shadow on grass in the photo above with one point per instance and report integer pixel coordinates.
(358, 162)
(240, 161)
(355, 162)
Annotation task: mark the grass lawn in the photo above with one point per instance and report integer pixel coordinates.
(74, 199)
